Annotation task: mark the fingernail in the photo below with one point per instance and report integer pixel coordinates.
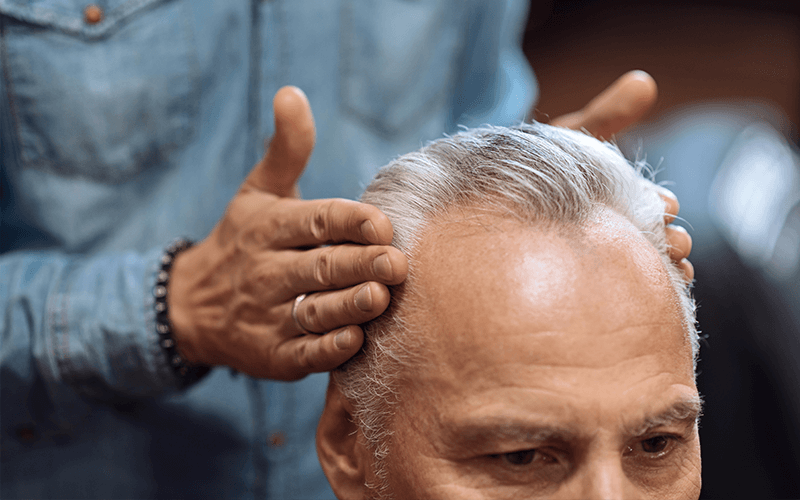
(341, 340)
(368, 231)
(382, 267)
(364, 298)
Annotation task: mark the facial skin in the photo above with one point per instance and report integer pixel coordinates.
(556, 366)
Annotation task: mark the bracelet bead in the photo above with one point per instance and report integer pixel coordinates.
(186, 373)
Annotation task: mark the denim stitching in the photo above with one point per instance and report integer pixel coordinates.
(259, 418)
(284, 40)
(64, 359)
(253, 86)
(164, 149)
(194, 86)
(376, 123)
(345, 52)
(12, 103)
(72, 23)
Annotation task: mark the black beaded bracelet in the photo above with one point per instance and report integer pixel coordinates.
(186, 373)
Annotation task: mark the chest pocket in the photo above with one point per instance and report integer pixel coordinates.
(100, 95)
(399, 58)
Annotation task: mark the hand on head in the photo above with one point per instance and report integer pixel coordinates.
(544, 345)
(620, 105)
(232, 295)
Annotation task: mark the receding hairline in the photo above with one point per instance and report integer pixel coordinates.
(532, 168)
(604, 231)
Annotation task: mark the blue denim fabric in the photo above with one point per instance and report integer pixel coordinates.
(118, 137)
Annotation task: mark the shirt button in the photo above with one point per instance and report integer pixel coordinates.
(277, 439)
(92, 14)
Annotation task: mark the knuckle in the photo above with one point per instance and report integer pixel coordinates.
(308, 357)
(672, 234)
(311, 314)
(672, 207)
(360, 212)
(679, 239)
(303, 357)
(324, 267)
(320, 221)
(362, 259)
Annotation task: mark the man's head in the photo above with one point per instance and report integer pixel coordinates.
(543, 345)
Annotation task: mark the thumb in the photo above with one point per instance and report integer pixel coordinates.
(621, 104)
(290, 146)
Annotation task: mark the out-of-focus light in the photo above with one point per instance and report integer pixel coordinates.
(754, 200)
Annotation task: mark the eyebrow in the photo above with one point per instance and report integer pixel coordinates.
(491, 429)
(476, 433)
(682, 411)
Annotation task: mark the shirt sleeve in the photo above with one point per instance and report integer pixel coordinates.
(496, 84)
(81, 326)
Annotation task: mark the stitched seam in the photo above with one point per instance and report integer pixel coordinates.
(193, 82)
(253, 91)
(53, 333)
(64, 360)
(56, 339)
(73, 24)
(460, 62)
(259, 415)
(12, 103)
(345, 49)
(348, 68)
(285, 48)
(149, 321)
(294, 435)
(180, 133)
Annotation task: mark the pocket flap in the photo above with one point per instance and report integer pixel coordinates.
(68, 15)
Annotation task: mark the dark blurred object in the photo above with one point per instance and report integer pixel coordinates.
(751, 372)
(696, 50)
(725, 132)
(738, 180)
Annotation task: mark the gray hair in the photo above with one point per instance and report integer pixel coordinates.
(533, 172)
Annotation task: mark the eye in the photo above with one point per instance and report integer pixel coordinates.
(523, 457)
(655, 444)
(526, 457)
(535, 467)
(653, 447)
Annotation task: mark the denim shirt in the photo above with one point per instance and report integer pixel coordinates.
(119, 136)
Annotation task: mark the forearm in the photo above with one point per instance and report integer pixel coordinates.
(83, 322)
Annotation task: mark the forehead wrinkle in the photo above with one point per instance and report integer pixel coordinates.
(472, 354)
(486, 214)
(688, 409)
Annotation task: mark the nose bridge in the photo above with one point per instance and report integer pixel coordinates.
(604, 478)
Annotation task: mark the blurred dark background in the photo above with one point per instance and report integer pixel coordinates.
(724, 132)
(696, 50)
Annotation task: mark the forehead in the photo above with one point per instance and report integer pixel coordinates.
(498, 302)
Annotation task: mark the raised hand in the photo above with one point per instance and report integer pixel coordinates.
(622, 104)
(231, 296)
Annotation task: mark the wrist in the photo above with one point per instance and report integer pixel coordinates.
(185, 368)
(180, 317)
